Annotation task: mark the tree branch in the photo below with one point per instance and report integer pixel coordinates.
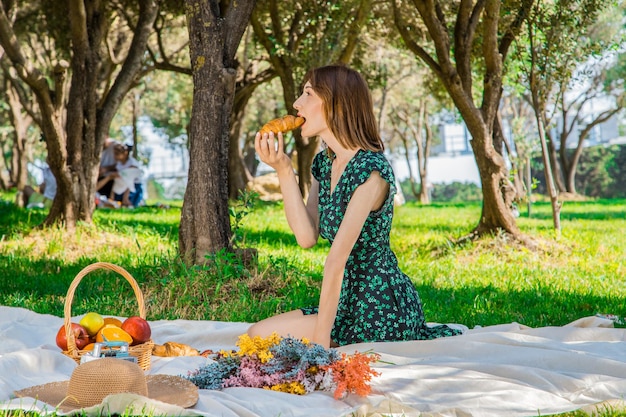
(464, 33)
(31, 76)
(515, 27)
(410, 43)
(148, 10)
(362, 14)
(493, 62)
(234, 32)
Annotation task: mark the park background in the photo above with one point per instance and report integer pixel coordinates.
(563, 104)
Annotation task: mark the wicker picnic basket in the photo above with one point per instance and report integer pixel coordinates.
(142, 352)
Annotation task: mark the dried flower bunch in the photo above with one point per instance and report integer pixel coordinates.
(288, 365)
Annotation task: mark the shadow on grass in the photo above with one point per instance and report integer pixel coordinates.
(42, 286)
(164, 222)
(15, 220)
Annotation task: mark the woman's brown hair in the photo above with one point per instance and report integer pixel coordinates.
(348, 106)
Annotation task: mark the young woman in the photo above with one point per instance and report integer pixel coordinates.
(365, 297)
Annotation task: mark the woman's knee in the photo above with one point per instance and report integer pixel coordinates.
(263, 328)
(253, 330)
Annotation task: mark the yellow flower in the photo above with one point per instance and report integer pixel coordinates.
(293, 387)
(227, 353)
(257, 346)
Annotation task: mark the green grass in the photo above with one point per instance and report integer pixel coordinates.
(579, 273)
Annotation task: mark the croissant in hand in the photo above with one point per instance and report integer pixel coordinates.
(282, 124)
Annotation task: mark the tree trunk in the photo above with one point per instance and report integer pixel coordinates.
(547, 147)
(407, 158)
(552, 192)
(215, 30)
(518, 180)
(570, 164)
(552, 153)
(497, 190)
(239, 174)
(21, 146)
(6, 182)
(73, 200)
(306, 150)
(90, 112)
(425, 183)
(422, 146)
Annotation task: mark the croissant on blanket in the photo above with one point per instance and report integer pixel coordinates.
(282, 124)
(174, 349)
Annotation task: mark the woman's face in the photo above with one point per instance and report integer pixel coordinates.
(309, 106)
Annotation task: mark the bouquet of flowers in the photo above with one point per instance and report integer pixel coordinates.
(289, 365)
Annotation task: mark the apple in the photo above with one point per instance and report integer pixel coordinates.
(138, 329)
(81, 337)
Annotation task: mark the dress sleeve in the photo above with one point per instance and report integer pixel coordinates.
(367, 163)
(317, 167)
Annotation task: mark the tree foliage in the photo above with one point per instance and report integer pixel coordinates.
(104, 43)
(561, 63)
(298, 36)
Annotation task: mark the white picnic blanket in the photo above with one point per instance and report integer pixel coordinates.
(508, 369)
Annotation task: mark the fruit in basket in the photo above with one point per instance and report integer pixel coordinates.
(92, 322)
(112, 333)
(138, 328)
(113, 320)
(81, 337)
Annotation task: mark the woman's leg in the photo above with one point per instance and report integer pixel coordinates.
(292, 323)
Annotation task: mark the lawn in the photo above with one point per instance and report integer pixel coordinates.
(577, 273)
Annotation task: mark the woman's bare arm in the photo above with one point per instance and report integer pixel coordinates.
(303, 218)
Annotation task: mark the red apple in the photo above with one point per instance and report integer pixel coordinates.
(138, 329)
(81, 337)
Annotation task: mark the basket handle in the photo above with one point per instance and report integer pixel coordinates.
(71, 343)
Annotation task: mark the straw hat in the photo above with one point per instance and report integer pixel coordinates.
(92, 381)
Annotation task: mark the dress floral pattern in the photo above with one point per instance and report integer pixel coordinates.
(378, 302)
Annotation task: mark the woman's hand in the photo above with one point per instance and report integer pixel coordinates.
(271, 150)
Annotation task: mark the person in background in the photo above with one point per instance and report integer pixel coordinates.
(365, 297)
(107, 166)
(127, 185)
(42, 198)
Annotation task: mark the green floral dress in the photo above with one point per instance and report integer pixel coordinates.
(378, 302)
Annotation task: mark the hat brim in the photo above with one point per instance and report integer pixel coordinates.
(168, 389)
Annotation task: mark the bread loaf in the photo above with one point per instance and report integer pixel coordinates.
(174, 349)
(282, 124)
